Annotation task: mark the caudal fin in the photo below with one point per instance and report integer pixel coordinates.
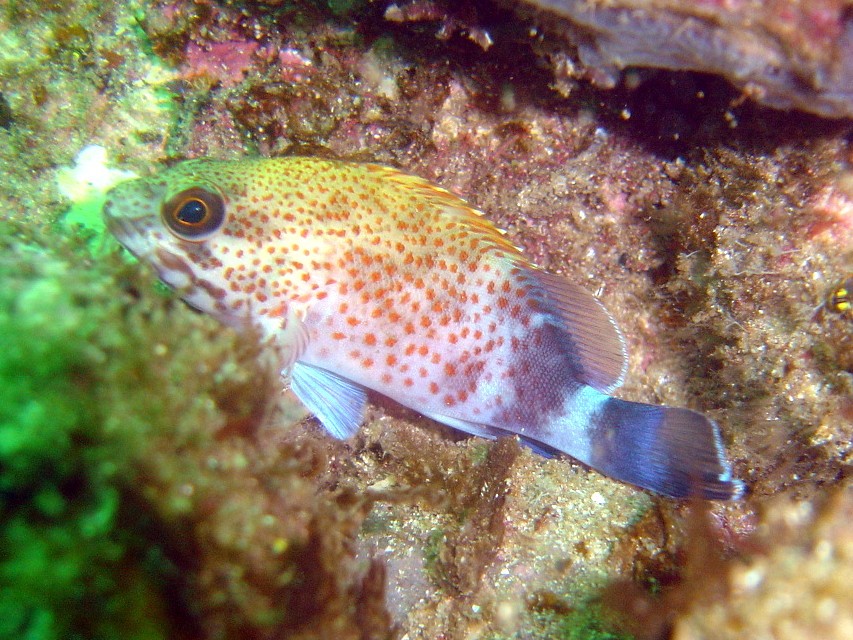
(676, 452)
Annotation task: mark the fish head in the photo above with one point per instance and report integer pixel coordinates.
(181, 221)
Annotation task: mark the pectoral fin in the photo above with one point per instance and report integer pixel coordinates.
(337, 402)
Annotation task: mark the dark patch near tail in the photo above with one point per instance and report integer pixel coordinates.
(676, 452)
(541, 373)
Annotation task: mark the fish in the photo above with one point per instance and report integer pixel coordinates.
(361, 277)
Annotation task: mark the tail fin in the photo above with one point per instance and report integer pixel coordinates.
(676, 452)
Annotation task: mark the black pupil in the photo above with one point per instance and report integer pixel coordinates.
(192, 212)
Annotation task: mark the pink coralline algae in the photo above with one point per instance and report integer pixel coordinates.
(787, 54)
(227, 62)
(834, 207)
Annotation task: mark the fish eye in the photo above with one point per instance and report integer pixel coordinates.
(194, 214)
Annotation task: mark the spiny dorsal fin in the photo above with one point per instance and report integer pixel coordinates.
(594, 333)
(453, 207)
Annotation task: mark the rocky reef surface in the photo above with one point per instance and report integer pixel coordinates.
(784, 53)
(155, 477)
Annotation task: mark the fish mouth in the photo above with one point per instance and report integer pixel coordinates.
(129, 232)
(121, 228)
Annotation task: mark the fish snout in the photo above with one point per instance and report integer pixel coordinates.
(129, 213)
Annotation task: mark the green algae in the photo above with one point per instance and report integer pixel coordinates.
(589, 622)
(139, 495)
(95, 401)
(436, 539)
(65, 535)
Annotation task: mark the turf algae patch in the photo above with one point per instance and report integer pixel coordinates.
(755, 241)
(73, 74)
(497, 542)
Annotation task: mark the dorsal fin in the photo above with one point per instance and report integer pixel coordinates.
(453, 208)
(601, 347)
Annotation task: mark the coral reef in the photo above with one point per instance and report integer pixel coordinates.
(149, 464)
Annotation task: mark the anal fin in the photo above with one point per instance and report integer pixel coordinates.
(474, 428)
(491, 433)
(337, 402)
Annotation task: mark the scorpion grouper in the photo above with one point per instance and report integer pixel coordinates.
(362, 277)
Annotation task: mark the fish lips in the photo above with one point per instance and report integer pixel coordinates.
(130, 215)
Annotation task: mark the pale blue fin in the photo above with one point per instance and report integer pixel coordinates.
(596, 338)
(337, 403)
(537, 447)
